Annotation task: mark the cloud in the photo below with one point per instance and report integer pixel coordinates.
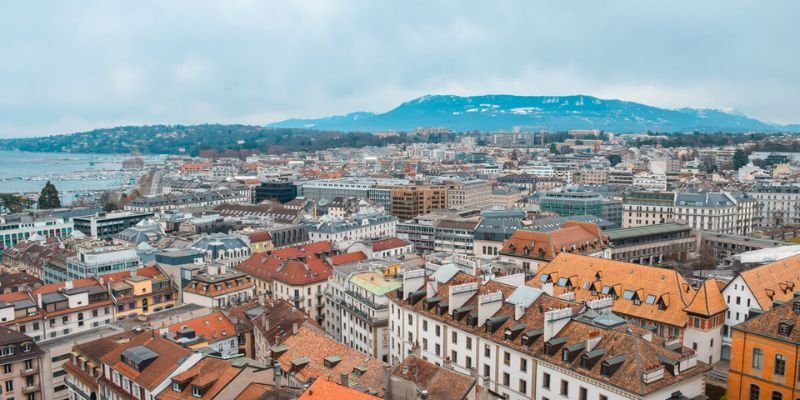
(67, 67)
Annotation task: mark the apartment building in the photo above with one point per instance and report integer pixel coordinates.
(411, 201)
(779, 205)
(356, 227)
(225, 248)
(523, 343)
(93, 262)
(468, 194)
(658, 299)
(652, 244)
(215, 332)
(218, 287)
(21, 359)
(105, 225)
(529, 249)
(647, 208)
(15, 228)
(764, 355)
(140, 292)
(723, 212)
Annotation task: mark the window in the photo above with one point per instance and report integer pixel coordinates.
(780, 365)
(455, 337)
(507, 358)
(28, 365)
(564, 388)
(603, 397)
(469, 343)
(523, 386)
(196, 391)
(454, 356)
(755, 391)
(469, 362)
(9, 386)
(546, 380)
(438, 330)
(776, 395)
(582, 393)
(7, 369)
(506, 379)
(486, 370)
(425, 325)
(487, 351)
(523, 365)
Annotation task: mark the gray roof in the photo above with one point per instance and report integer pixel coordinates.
(647, 230)
(608, 319)
(445, 273)
(708, 199)
(226, 241)
(524, 295)
(139, 354)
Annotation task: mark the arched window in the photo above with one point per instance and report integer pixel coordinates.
(776, 395)
(755, 391)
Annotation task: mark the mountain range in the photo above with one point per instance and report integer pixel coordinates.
(551, 113)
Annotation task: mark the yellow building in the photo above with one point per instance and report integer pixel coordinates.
(140, 292)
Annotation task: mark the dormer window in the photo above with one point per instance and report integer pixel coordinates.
(785, 327)
(197, 391)
(176, 387)
(27, 347)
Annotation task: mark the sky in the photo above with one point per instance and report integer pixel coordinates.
(74, 66)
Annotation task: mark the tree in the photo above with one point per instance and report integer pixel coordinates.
(49, 197)
(739, 159)
(12, 202)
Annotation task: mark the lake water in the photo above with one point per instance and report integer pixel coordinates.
(23, 172)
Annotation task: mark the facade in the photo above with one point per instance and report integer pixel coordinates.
(529, 249)
(523, 343)
(219, 287)
(468, 194)
(140, 292)
(21, 359)
(647, 208)
(177, 200)
(455, 236)
(358, 310)
(16, 228)
(764, 356)
(93, 262)
(721, 212)
(779, 205)
(495, 227)
(281, 191)
(411, 201)
(567, 204)
(652, 244)
(356, 227)
(724, 247)
(225, 248)
(106, 225)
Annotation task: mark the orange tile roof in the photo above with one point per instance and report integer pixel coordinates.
(212, 327)
(323, 389)
(308, 250)
(586, 274)
(209, 371)
(348, 258)
(212, 291)
(708, 300)
(316, 346)
(547, 245)
(288, 270)
(390, 243)
(441, 383)
(258, 237)
(151, 376)
(774, 281)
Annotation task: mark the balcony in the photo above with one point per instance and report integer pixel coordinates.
(379, 321)
(30, 389)
(29, 372)
(366, 301)
(74, 388)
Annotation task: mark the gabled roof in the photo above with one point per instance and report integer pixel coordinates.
(441, 383)
(323, 389)
(708, 300)
(213, 327)
(212, 372)
(169, 355)
(348, 258)
(584, 236)
(774, 281)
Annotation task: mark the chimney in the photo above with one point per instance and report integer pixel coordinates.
(554, 321)
(294, 328)
(265, 320)
(459, 294)
(488, 305)
(519, 311)
(548, 288)
(68, 285)
(134, 274)
(39, 299)
(431, 289)
(344, 379)
(413, 281)
(592, 341)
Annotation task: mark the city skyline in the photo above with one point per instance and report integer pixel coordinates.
(107, 65)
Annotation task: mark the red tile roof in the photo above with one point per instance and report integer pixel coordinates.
(212, 327)
(326, 390)
(309, 250)
(386, 244)
(169, 354)
(348, 258)
(258, 237)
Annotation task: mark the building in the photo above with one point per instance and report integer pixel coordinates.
(84, 369)
(764, 355)
(140, 292)
(456, 235)
(330, 189)
(652, 244)
(529, 249)
(357, 308)
(178, 200)
(143, 367)
(725, 247)
(496, 226)
(355, 227)
(779, 205)
(260, 241)
(524, 181)
(322, 389)
(383, 249)
(106, 225)
(415, 375)
(723, 212)
(214, 378)
(649, 181)
(567, 204)
(218, 287)
(225, 248)
(758, 290)
(298, 275)
(309, 354)
(647, 208)
(411, 201)
(15, 228)
(280, 191)
(468, 194)
(93, 262)
(523, 343)
(594, 176)
(21, 359)
(658, 299)
(213, 332)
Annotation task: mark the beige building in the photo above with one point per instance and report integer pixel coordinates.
(470, 194)
(21, 361)
(411, 201)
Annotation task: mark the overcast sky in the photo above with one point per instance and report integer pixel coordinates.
(111, 63)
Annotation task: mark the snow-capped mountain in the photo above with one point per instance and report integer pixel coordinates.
(504, 112)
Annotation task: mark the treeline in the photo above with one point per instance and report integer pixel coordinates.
(195, 139)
